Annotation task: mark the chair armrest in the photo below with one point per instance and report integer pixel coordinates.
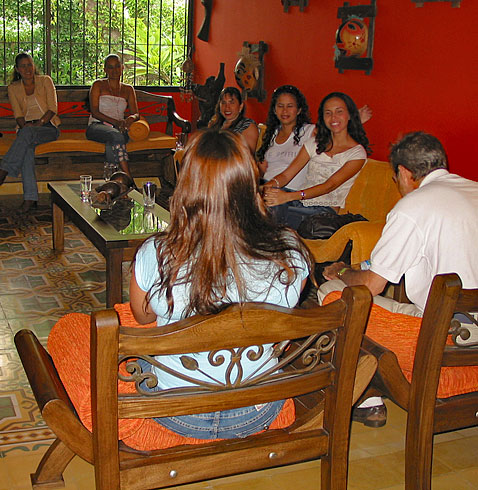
(363, 234)
(175, 118)
(41, 372)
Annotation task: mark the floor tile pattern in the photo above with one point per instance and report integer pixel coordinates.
(37, 287)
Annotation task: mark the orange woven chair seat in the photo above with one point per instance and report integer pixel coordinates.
(399, 334)
(72, 333)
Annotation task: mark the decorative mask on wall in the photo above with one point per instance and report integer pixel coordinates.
(354, 37)
(249, 70)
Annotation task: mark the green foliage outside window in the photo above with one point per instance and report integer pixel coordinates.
(151, 35)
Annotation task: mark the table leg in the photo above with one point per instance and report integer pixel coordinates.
(58, 228)
(114, 277)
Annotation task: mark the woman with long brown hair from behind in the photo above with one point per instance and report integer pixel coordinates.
(221, 247)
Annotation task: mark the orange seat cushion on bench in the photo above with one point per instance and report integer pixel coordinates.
(77, 142)
(399, 333)
(69, 346)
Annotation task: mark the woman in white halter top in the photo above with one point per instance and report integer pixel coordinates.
(109, 100)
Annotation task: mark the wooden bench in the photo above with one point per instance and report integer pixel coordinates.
(72, 154)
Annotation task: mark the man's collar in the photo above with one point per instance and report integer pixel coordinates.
(434, 174)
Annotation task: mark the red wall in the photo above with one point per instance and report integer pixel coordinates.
(424, 77)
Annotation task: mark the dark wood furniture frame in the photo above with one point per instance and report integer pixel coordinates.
(114, 247)
(428, 415)
(74, 117)
(318, 371)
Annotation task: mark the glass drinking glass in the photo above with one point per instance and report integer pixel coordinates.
(180, 140)
(149, 194)
(85, 187)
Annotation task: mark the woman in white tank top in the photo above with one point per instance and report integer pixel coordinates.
(109, 100)
(288, 127)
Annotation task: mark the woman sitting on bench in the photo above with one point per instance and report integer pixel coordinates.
(109, 99)
(34, 104)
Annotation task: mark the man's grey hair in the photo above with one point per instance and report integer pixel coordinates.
(419, 152)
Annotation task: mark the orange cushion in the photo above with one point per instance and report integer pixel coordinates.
(399, 333)
(69, 347)
(139, 130)
(76, 141)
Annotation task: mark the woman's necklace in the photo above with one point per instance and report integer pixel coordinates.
(111, 89)
(29, 89)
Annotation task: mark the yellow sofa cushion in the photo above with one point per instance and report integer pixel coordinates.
(373, 195)
(77, 142)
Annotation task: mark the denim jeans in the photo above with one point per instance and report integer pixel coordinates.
(225, 424)
(20, 157)
(293, 212)
(114, 140)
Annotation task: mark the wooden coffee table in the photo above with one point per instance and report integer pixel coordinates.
(115, 246)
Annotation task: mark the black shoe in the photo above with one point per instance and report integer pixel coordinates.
(27, 205)
(371, 416)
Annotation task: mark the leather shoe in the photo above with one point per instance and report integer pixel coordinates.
(27, 205)
(371, 416)
(3, 175)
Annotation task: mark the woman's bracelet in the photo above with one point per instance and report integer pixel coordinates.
(276, 181)
(302, 195)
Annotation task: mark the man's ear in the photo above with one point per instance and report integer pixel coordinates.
(405, 174)
(407, 177)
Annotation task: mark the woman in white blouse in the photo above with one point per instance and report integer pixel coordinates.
(334, 159)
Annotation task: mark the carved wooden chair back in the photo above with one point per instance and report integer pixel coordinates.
(428, 415)
(317, 352)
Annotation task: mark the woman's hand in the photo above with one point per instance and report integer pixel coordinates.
(129, 121)
(122, 125)
(365, 114)
(274, 196)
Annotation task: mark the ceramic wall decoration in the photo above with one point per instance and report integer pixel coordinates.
(249, 70)
(354, 37)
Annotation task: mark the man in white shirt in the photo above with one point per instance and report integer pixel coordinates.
(432, 230)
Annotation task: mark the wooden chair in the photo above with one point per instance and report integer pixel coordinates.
(318, 371)
(427, 414)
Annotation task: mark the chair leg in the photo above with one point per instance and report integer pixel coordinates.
(49, 473)
(418, 458)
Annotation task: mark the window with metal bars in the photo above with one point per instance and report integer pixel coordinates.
(69, 39)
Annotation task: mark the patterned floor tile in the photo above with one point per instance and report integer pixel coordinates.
(37, 287)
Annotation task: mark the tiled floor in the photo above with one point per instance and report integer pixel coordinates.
(38, 286)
